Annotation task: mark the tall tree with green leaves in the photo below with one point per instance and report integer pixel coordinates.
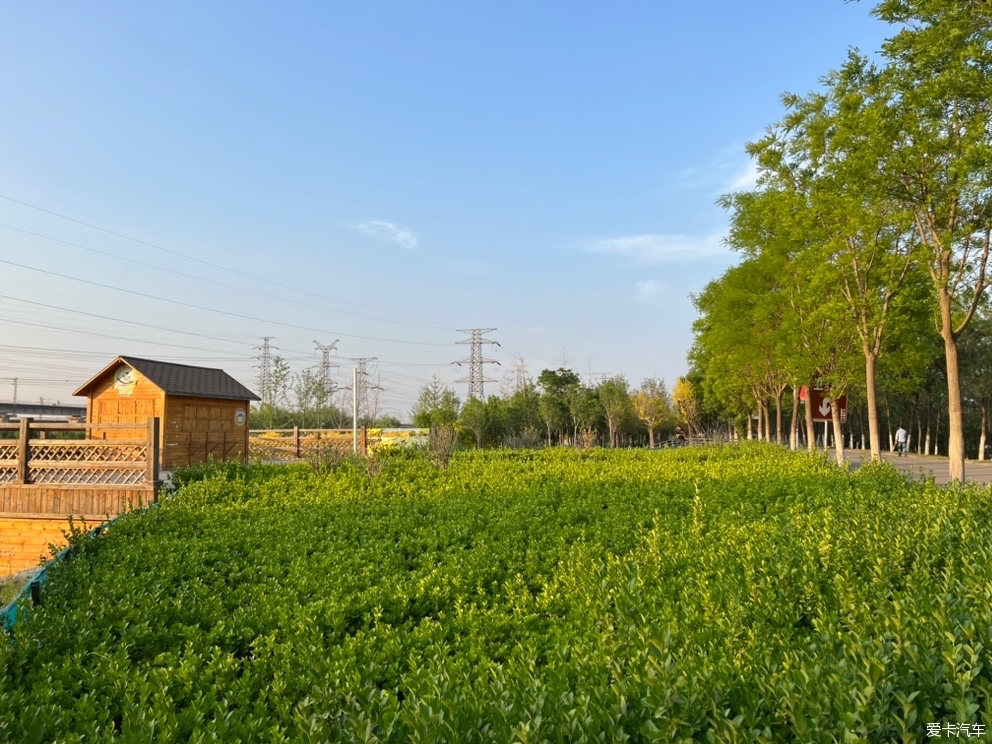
(553, 405)
(939, 76)
(653, 405)
(827, 151)
(437, 405)
(614, 399)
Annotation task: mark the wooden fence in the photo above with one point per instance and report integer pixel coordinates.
(291, 445)
(42, 476)
(44, 481)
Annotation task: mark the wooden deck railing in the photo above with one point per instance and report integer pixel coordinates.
(79, 462)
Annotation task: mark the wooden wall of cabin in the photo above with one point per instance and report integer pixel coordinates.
(196, 430)
(107, 406)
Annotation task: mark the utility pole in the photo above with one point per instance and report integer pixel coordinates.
(476, 362)
(325, 367)
(264, 367)
(15, 390)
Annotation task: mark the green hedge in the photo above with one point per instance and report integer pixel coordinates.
(726, 594)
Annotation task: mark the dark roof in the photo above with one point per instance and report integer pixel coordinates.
(181, 379)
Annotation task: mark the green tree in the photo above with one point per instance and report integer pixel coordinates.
(475, 419)
(553, 407)
(827, 143)
(614, 399)
(939, 163)
(653, 405)
(584, 409)
(437, 405)
(976, 367)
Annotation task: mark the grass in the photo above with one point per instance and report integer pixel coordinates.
(9, 587)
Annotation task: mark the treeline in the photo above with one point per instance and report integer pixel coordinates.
(318, 415)
(559, 410)
(864, 247)
(310, 400)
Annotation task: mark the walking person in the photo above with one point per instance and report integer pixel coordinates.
(902, 437)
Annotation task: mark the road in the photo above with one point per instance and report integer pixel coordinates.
(918, 466)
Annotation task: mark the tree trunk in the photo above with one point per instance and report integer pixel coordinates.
(810, 425)
(651, 437)
(876, 450)
(838, 430)
(778, 414)
(936, 436)
(955, 428)
(767, 419)
(981, 436)
(794, 423)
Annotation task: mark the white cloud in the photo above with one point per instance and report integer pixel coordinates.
(389, 232)
(656, 248)
(648, 291)
(745, 179)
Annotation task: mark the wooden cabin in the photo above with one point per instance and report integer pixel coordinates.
(204, 411)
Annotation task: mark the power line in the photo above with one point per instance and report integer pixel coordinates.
(211, 309)
(115, 337)
(211, 264)
(118, 320)
(204, 279)
(476, 362)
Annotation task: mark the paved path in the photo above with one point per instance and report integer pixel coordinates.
(919, 466)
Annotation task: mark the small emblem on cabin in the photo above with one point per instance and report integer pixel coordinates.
(240, 417)
(125, 380)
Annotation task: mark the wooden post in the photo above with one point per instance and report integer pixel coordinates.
(296, 442)
(151, 463)
(23, 456)
(365, 441)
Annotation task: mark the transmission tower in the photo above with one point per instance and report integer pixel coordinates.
(476, 378)
(264, 366)
(521, 370)
(360, 394)
(325, 368)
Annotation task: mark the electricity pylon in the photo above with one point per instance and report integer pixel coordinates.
(476, 362)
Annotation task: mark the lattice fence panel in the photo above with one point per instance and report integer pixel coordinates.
(69, 476)
(87, 463)
(8, 462)
(312, 445)
(111, 452)
(280, 450)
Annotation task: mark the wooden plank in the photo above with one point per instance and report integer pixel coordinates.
(23, 450)
(97, 442)
(118, 465)
(46, 426)
(152, 460)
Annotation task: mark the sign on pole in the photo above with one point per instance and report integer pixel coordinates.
(823, 404)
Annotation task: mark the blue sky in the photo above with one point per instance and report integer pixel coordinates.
(383, 174)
